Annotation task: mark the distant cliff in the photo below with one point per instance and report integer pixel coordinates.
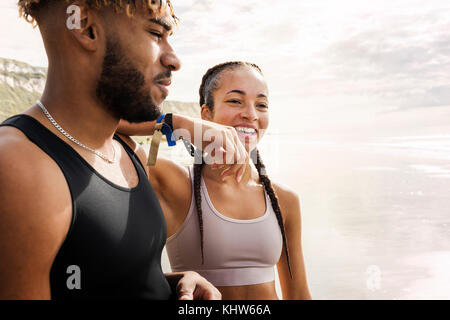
(22, 84)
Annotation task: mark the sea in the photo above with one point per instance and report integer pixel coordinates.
(375, 213)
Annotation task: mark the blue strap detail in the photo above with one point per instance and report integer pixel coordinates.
(160, 118)
(167, 131)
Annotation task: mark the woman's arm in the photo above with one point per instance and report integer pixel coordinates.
(224, 139)
(136, 129)
(171, 181)
(297, 287)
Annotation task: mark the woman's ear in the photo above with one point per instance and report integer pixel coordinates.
(206, 113)
(83, 24)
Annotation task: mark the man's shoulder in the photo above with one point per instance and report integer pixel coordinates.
(129, 141)
(31, 184)
(35, 215)
(16, 148)
(11, 135)
(14, 145)
(25, 165)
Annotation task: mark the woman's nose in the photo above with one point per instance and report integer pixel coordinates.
(250, 113)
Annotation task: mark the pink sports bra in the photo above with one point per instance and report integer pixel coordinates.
(236, 252)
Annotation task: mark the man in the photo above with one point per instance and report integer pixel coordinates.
(78, 217)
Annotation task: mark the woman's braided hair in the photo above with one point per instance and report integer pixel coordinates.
(210, 83)
(28, 8)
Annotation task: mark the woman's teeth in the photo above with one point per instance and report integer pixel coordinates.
(245, 130)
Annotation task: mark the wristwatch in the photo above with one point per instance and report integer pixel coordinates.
(168, 120)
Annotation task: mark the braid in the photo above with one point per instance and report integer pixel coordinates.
(267, 186)
(210, 83)
(274, 200)
(198, 201)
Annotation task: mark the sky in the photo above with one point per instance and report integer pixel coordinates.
(347, 66)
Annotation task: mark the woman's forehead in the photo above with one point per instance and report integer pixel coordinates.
(243, 78)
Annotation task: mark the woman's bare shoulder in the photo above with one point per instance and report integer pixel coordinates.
(288, 199)
(285, 193)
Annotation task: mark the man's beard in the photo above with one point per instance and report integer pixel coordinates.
(122, 89)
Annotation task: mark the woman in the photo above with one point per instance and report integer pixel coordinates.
(232, 233)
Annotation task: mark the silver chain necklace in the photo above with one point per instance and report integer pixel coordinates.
(68, 136)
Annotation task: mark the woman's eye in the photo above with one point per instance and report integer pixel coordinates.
(234, 101)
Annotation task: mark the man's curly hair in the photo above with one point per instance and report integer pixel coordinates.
(29, 8)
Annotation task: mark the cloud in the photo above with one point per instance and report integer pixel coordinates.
(404, 61)
(18, 39)
(312, 48)
(320, 57)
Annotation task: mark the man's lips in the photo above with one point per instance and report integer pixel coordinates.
(164, 82)
(163, 86)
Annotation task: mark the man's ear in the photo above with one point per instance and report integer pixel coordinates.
(83, 24)
(206, 113)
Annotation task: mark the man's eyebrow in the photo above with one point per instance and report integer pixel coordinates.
(162, 23)
(262, 95)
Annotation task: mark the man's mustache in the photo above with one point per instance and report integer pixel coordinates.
(163, 76)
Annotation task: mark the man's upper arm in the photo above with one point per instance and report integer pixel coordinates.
(35, 214)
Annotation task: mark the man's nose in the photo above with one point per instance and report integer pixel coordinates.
(170, 60)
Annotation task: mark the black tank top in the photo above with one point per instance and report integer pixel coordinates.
(116, 237)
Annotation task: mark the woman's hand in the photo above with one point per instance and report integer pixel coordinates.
(221, 144)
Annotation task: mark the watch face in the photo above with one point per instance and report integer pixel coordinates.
(168, 120)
